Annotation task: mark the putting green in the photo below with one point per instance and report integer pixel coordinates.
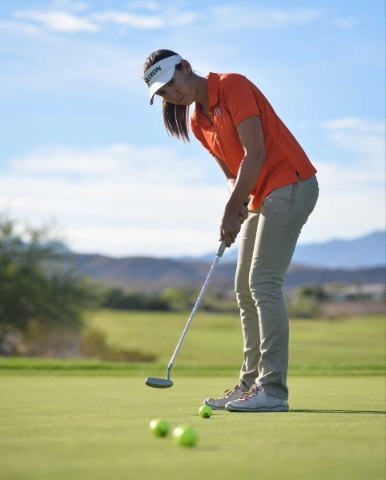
(96, 427)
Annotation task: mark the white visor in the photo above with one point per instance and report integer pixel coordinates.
(161, 73)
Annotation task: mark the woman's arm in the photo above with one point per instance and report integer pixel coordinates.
(231, 178)
(251, 137)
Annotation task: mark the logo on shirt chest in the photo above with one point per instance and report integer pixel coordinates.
(217, 111)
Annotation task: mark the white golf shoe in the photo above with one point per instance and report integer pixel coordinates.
(256, 400)
(229, 395)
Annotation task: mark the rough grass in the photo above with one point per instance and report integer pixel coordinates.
(216, 338)
(213, 345)
(96, 427)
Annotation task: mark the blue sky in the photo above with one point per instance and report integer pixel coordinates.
(82, 148)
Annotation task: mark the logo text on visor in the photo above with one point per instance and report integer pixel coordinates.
(160, 73)
(152, 73)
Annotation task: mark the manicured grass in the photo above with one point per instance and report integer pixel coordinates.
(96, 427)
(86, 419)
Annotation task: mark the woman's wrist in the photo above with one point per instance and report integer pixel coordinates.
(232, 207)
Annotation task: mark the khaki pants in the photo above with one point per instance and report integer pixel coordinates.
(267, 243)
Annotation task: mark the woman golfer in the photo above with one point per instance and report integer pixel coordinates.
(264, 163)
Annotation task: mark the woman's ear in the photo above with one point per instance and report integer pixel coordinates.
(187, 68)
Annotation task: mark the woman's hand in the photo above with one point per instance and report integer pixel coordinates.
(243, 214)
(231, 225)
(229, 228)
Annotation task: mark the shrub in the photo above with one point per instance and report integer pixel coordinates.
(312, 291)
(94, 345)
(116, 298)
(304, 308)
(35, 286)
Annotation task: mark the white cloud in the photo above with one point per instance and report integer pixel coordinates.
(18, 27)
(304, 124)
(120, 200)
(129, 19)
(364, 139)
(123, 200)
(49, 64)
(186, 18)
(70, 6)
(117, 160)
(163, 19)
(345, 22)
(151, 6)
(65, 18)
(354, 123)
(58, 21)
(238, 16)
(351, 202)
(352, 192)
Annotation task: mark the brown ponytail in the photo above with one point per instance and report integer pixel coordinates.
(176, 117)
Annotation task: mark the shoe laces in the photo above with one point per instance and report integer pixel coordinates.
(254, 390)
(229, 392)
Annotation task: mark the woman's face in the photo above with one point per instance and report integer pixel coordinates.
(181, 89)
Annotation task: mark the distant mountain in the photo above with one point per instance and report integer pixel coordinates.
(364, 252)
(368, 251)
(339, 261)
(154, 275)
(150, 274)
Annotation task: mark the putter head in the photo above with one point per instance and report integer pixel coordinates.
(158, 382)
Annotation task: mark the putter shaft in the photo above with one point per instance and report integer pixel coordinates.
(218, 255)
(162, 383)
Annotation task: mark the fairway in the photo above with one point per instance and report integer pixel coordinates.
(91, 427)
(213, 345)
(326, 346)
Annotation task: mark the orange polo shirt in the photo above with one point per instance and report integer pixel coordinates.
(233, 98)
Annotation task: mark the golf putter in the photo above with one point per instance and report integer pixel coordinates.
(167, 383)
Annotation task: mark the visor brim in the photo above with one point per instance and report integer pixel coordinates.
(161, 81)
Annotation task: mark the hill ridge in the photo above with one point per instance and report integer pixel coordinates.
(155, 274)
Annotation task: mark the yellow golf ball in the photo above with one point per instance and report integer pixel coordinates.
(205, 411)
(159, 427)
(185, 436)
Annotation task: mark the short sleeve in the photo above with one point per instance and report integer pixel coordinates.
(238, 95)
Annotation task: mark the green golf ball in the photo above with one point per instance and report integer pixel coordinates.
(185, 436)
(205, 411)
(159, 427)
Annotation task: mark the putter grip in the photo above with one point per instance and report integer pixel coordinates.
(223, 246)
